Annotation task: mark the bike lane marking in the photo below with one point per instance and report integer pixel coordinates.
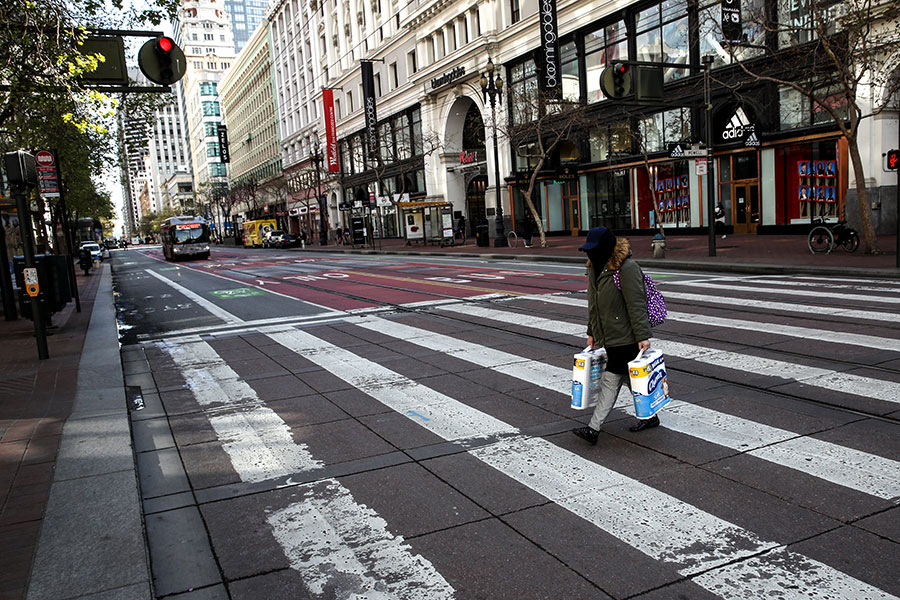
(698, 544)
(200, 300)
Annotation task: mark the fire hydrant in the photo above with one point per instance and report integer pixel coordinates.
(659, 246)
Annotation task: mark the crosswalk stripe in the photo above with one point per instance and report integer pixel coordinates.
(331, 539)
(834, 337)
(887, 391)
(861, 471)
(256, 439)
(335, 542)
(818, 293)
(818, 311)
(657, 524)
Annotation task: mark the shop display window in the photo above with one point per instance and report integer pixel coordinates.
(609, 199)
(810, 185)
(671, 191)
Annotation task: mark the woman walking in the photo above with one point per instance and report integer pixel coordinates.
(617, 320)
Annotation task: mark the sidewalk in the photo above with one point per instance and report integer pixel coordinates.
(70, 520)
(775, 254)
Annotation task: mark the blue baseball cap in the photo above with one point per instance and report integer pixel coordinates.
(594, 238)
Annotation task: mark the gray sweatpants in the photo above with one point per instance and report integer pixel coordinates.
(610, 384)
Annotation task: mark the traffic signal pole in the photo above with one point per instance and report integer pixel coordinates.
(37, 315)
(711, 163)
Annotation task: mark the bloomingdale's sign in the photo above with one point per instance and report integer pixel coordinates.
(447, 78)
(549, 79)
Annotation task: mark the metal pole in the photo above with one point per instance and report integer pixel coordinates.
(711, 163)
(70, 245)
(28, 250)
(323, 222)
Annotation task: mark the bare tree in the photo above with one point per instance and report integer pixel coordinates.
(838, 59)
(536, 127)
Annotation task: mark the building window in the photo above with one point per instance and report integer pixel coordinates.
(601, 47)
(212, 148)
(208, 88)
(217, 170)
(523, 89)
(514, 14)
(395, 81)
(210, 129)
(349, 103)
(411, 65)
(210, 108)
(568, 59)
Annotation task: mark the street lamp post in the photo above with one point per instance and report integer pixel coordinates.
(492, 87)
(323, 223)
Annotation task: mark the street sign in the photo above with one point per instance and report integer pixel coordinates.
(679, 151)
(31, 281)
(701, 166)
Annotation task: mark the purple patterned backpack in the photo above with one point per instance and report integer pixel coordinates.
(656, 304)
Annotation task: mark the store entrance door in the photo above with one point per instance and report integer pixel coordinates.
(746, 207)
(571, 202)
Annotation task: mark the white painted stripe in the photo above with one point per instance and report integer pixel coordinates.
(786, 575)
(806, 309)
(890, 285)
(711, 426)
(834, 337)
(817, 294)
(335, 542)
(199, 300)
(437, 412)
(887, 391)
(657, 524)
(258, 442)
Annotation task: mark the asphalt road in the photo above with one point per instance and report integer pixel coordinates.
(330, 426)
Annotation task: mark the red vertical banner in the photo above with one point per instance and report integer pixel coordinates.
(330, 131)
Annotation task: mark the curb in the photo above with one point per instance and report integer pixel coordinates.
(94, 487)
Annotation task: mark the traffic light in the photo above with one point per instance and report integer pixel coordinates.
(621, 80)
(162, 61)
(616, 80)
(893, 160)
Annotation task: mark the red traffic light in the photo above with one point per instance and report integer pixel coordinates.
(893, 160)
(164, 44)
(620, 69)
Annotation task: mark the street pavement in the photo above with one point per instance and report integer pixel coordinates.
(356, 445)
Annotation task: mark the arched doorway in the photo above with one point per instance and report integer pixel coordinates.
(475, 202)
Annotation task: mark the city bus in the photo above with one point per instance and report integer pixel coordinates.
(184, 237)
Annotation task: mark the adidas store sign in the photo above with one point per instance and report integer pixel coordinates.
(738, 127)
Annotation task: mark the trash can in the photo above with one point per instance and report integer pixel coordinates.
(482, 238)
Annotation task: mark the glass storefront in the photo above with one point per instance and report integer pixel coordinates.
(608, 195)
(810, 182)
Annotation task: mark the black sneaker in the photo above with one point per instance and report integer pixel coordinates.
(645, 424)
(587, 434)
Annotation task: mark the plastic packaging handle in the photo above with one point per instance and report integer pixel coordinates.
(588, 349)
(640, 354)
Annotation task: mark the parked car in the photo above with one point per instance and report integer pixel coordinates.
(94, 249)
(288, 241)
(273, 238)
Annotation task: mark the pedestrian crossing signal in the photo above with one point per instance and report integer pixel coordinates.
(162, 61)
(893, 160)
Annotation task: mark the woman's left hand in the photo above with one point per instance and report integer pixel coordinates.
(644, 345)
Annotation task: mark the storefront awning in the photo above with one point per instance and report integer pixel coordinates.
(424, 204)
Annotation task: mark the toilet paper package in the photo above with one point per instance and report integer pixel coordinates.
(587, 368)
(649, 385)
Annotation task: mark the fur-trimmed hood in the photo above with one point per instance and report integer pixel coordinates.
(620, 253)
